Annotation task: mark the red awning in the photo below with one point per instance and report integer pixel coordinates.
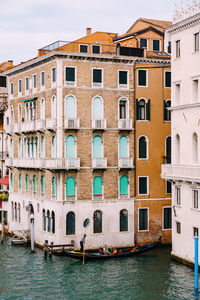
(4, 180)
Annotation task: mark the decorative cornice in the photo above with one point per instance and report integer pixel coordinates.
(192, 7)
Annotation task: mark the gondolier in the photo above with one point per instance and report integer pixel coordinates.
(82, 243)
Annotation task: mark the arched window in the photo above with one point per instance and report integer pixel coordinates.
(11, 115)
(20, 182)
(37, 147)
(42, 110)
(97, 109)
(70, 223)
(35, 184)
(168, 149)
(53, 186)
(70, 146)
(44, 219)
(167, 113)
(195, 148)
(97, 147)
(123, 220)
(177, 149)
(19, 213)
(123, 147)
(26, 112)
(20, 148)
(43, 147)
(123, 109)
(48, 221)
(53, 222)
(143, 109)
(29, 148)
(97, 187)
(42, 185)
(19, 113)
(34, 147)
(70, 188)
(142, 147)
(12, 180)
(53, 147)
(15, 211)
(53, 107)
(11, 147)
(27, 183)
(123, 187)
(70, 107)
(12, 210)
(97, 219)
(25, 148)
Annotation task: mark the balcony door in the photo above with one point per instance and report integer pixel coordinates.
(70, 107)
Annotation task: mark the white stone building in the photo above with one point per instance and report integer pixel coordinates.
(184, 171)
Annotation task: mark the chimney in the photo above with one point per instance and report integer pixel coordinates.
(88, 31)
(10, 63)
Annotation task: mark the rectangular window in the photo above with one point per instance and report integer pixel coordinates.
(195, 88)
(43, 78)
(142, 77)
(195, 199)
(178, 52)
(167, 112)
(177, 93)
(178, 196)
(178, 227)
(195, 231)
(156, 45)
(196, 41)
(20, 86)
(97, 77)
(84, 48)
(20, 181)
(70, 74)
(143, 186)
(35, 81)
(167, 79)
(96, 49)
(54, 75)
(27, 83)
(167, 218)
(123, 79)
(143, 219)
(11, 88)
(143, 43)
(169, 187)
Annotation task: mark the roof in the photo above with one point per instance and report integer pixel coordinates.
(158, 23)
(6, 65)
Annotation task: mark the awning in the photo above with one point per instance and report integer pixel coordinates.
(4, 180)
(30, 99)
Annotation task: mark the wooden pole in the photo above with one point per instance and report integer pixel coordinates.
(83, 256)
(2, 232)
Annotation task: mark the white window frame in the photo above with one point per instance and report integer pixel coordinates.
(159, 44)
(147, 82)
(75, 198)
(96, 84)
(164, 229)
(139, 219)
(128, 186)
(147, 185)
(27, 90)
(83, 45)
(102, 108)
(167, 87)
(198, 191)
(71, 83)
(178, 199)
(11, 90)
(123, 86)
(93, 198)
(75, 145)
(19, 93)
(143, 38)
(42, 87)
(34, 88)
(101, 142)
(95, 45)
(53, 83)
(147, 143)
(19, 118)
(127, 108)
(196, 50)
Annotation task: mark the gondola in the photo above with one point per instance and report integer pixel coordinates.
(121, 252)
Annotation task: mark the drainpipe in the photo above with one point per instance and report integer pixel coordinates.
(134, 124)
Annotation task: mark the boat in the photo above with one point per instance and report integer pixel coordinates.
(120, 252)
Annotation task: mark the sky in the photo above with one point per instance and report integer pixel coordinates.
(28, 25)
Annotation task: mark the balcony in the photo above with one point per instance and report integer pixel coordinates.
(51, 124)
(62, 163)
(40, 125)
(72, 124)
(99, 163)
(4, 155)
(181, 172)
(72, 163)
(28, 126)
(125, 162)
(123, 196)
(17, 128)
(99, 124)
(9, 128)
(125, 124)
(28, 163)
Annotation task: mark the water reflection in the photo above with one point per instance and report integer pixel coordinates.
(150, 276)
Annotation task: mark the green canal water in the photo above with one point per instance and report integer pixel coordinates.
(149, 276)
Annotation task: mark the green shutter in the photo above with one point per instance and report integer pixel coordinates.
(165, 110)
(122, 77)
(123, 185)
(27, 182)
(143, 185)
(97, 75)
(97, 185)
(123, 147)
(35, 183)
(137, 110)
(97, 147)
(70, 146)
(70, 186)
(70, 74)
(70, 107)
(20, 181)
(148, 110)
(43, 184)
(97, 108)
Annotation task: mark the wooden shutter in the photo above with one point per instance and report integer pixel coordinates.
(137, 109)
(148, 110)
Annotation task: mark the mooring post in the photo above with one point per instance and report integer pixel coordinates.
(2, 231)
(32, 233)
(196, 265)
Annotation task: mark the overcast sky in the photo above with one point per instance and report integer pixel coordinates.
(27, 25)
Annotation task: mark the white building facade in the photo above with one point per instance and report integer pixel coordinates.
(184, 172)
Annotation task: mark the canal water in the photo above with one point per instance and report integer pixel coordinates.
(149, 276)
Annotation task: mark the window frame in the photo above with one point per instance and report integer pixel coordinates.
(42, 86)
(27, 84)
(165, 72)
(178, 195)
(53, 82)
(194, 200)
(166, 187)
(147, 185)
(128, 187)
(97, 46)
(97, 84)
(86, 45)
(146, 41)
(34, 81)
(120, 227)
(69, 82)
(147, 148)
(178, 48)
(138, 82)
(159, 45)
(98, 196)
(143, 230)
(19, 87)
(163, 218)
(196, 42)
(122, 85)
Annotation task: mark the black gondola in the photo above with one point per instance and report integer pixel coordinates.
(120, 253)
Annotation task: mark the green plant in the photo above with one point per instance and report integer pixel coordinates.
(4, 197)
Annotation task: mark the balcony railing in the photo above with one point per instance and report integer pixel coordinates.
(40, 125)
(181, 172)
(50, 124)
(99, 124)
(125, 162)
(72, 123)
(70, 198)
(72, 163)
(17, 128)
(28, 126)
(123, 196)
(125, 124)
(4, 154)
(9, 128)
(97, 197)
(62, 163)
(99, 163)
